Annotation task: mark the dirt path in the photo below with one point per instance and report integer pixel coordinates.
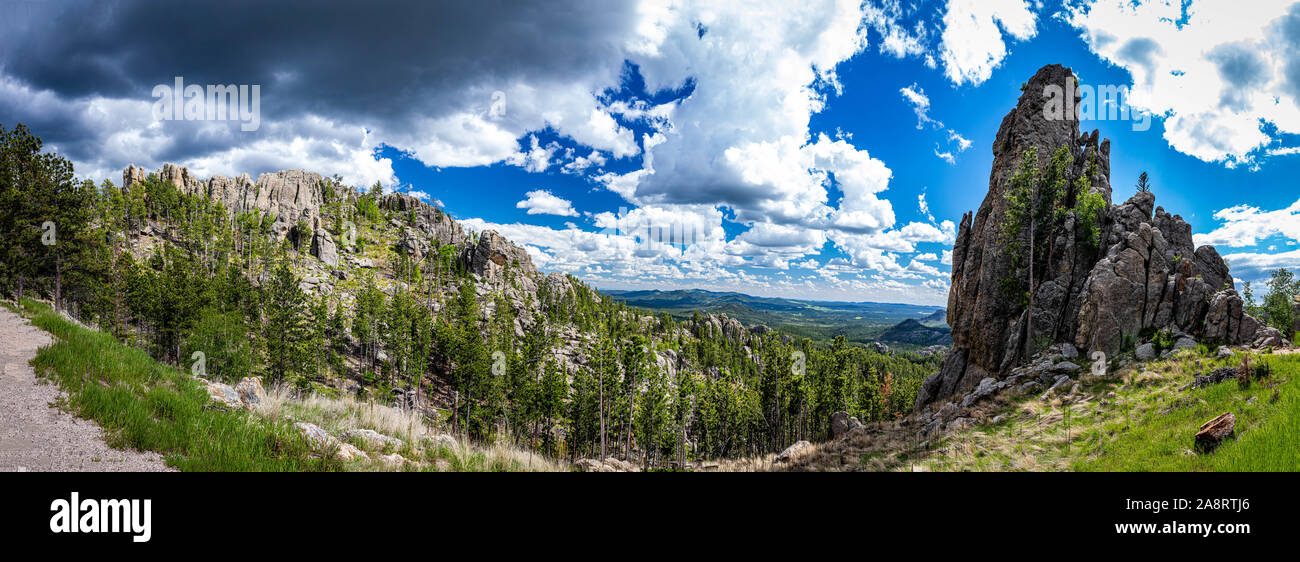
(37, 437)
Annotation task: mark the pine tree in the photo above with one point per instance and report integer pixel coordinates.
(286, 329)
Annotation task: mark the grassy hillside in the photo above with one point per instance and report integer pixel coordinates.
(147, 405)
(1142, 418)
(143, 404)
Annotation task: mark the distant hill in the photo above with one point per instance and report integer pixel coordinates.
(818, 320)
(914, 332)
(939, 319)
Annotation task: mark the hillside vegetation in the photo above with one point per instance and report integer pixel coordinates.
(307, 284)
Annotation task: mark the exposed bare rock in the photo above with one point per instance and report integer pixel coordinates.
(318, 437)
(493, 253)
(842, 423)
(288, 195)
(432, 227)
(322, 246)
(793, 452)
(370, 438)
(986, 325)
(250, 390)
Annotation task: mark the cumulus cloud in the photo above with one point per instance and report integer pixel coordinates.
(543, 202)
(1245, 225)
(920, 105)
(972, 43)
(1224, 74)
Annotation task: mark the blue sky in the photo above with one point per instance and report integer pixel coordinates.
(820, 150)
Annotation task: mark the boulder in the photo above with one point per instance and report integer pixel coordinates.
(440, 440)
(322, 246)
(1061, 382)
(1145, 352)
(793, 452)
(1066, 367)
(587, 465)
(392, 458)
(370, 438)
(960, 424)
(223, 394)
(348, 452)
(1185, 342)
(987, 387)
(842, 424)
(251, 392)
(319, 438)
(1269, 336)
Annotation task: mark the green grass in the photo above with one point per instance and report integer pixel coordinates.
(146, 405)
(1141, 419)
(1157, 428)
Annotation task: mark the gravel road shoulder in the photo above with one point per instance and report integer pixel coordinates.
(35, 436)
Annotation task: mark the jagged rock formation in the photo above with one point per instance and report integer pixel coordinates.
(288, 195)
(295, 196)
(1142, 275)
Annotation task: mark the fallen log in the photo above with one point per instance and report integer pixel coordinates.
(1213, 432)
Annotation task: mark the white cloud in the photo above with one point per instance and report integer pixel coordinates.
(920, 105)
(1254, 266)
(1245, 225)
(543, 202)
(923, 206)
(895, 39)
(1218, 76)
(972, 44)
(537, 158)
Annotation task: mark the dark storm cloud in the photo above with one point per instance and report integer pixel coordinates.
(377, 64)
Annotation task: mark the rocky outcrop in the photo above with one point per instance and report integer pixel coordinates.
(324, 249)
(842, 424)
(296, 198)
(1139, 273)
(489, 258)
(435, 227)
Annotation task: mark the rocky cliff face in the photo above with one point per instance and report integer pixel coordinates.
(294, 196)
(1142, 275)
